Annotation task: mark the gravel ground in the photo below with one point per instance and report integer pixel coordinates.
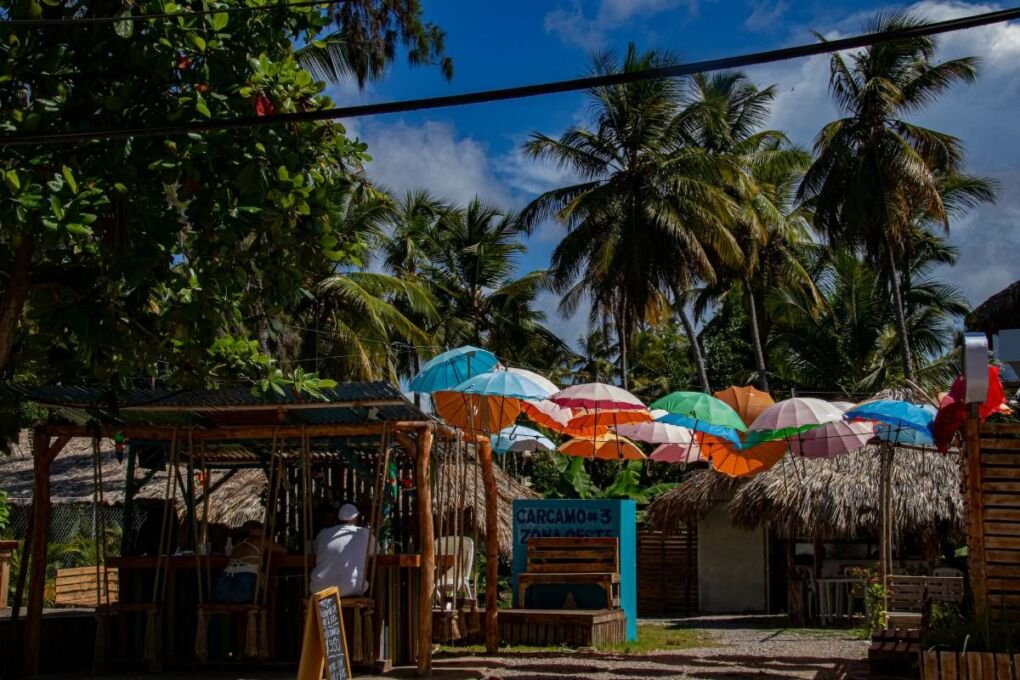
(744, 648)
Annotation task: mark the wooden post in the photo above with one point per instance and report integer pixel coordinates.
(976, 566)
(428, 552)
(42, 455)
(491, 547)
(884, 474)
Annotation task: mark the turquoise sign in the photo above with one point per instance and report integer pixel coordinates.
(579, 519)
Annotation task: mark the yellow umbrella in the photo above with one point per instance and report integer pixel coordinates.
(747, 401)
(476, 412)
(604, 447)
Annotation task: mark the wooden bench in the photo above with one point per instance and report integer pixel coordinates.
(76, 587)
(893, 652)
(571, 561)
(908, 596)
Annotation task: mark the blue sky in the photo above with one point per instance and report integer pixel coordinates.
(462, 152)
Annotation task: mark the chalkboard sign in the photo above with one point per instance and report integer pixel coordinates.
(324, 647)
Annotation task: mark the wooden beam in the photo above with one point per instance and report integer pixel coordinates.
(491, 546)
(234, 433)
(42, 455)
(428, 552)
(976, 559)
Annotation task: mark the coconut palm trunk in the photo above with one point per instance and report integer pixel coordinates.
(621, 331)
(759, 351)
(900, 315)
(692, 338)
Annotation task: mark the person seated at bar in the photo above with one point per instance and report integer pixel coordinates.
(236, 584)
(341, 552)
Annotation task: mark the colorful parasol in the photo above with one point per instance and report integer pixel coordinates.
(747, 401)
(557, 418)
(503, 384)
(476, 412)
(742, 461)
(449, 369)
(597, 396)
(517, 438)
(907, 435)
(594, 419)
(719, 431)
(791, 417)
(895, 413)
(832, 439)
(603, 447)
(656, 433)
(701, 408)
(549, 385)
(678, 453)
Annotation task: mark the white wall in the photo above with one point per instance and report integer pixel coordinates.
(731, 565)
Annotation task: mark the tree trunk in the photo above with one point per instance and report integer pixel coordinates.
(901, 320)
(692, 337)
(759, 352)
(12, 300)
(621, 331)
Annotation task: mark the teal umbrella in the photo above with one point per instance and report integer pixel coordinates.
(449, 369)
(505, 384)
(701, 408)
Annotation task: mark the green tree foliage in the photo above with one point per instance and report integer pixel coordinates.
(649, 214)
(876, 172)
(120, 254)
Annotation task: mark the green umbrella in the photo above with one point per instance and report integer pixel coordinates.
(701, 407)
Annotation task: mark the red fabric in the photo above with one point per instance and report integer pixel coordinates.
(953, 409)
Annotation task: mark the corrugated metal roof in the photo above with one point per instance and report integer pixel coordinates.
(346, 404)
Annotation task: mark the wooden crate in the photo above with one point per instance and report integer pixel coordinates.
(573, 627)
(667, 577)
(76, 587)
(942, 665)
(993, 500)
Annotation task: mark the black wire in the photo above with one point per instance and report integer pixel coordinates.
(86, 21)
(556, 87)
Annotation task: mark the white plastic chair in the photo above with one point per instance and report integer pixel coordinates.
(460, 569)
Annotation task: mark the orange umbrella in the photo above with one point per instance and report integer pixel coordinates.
(600, 418)
(729, 460)
(476, 412)
(747, 401)
(557, 418)
(605, 447)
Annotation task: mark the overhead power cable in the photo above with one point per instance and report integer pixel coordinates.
(523, 91)
(92, 21)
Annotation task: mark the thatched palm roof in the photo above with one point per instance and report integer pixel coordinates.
(1001, 310)
(233, 502)
(830, 498)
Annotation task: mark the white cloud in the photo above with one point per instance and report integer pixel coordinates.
(432, 155)
(573, 25)
(765, 14)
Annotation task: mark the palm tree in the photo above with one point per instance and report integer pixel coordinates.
(875, 171)
(728, 113)
(847, 344)
(649, 214)
(483, 302)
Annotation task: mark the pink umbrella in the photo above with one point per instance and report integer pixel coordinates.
(832, 439)
(597, 396)
(656, 433)
(791, 417)
(678, 453)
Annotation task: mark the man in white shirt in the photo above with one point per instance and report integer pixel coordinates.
(341, 553)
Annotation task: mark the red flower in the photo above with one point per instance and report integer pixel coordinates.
(202, 87)
(183, 62)
(263, 107)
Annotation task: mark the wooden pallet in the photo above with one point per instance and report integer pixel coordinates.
(575, 627)
(894, 651)
(942, 665)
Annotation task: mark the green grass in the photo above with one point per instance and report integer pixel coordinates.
(651, 638)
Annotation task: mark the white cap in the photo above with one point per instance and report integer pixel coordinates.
(347, 513)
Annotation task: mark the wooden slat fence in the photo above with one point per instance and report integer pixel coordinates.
(667, 582)
(994, 531)
(944, 665)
